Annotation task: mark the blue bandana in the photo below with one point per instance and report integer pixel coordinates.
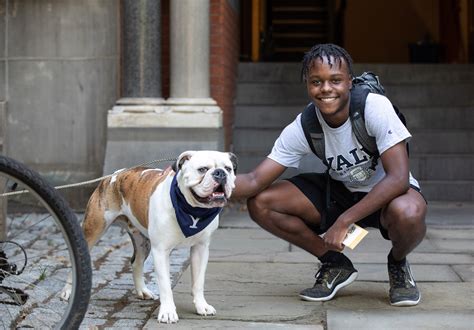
(191, 219)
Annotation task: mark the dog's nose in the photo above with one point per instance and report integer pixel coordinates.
(219, 175)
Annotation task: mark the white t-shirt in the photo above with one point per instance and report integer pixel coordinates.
(348, 162)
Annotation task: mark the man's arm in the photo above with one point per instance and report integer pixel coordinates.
(395, 183)
(249, 184)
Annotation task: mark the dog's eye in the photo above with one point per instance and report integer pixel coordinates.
(203, 169)
(228, 169)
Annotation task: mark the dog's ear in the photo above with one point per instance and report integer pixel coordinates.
(233, 159)
(181, 159)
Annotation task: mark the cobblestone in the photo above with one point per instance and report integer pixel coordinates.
(114, 304)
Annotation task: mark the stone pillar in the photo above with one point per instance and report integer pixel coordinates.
(189, 57)
(138, 131)
(141, 56)
(135, 112)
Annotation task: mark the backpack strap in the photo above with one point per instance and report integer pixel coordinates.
(357, 113)
(314, 135)
(313, 132)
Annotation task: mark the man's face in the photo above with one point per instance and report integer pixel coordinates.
(329, 89)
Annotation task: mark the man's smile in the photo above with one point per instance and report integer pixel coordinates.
(327, 99)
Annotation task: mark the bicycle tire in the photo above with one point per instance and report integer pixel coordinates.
(73, 236)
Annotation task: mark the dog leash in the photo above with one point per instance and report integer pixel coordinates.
(84, 183)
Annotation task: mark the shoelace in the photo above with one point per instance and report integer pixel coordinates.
(323, 273)
(398, 276)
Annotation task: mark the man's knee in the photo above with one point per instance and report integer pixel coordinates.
(408, 218)
(260, 205)
(252, 207)
(256, 207)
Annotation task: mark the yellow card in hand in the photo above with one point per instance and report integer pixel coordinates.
(354, 235)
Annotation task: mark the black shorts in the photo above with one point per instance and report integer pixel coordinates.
(313, 186)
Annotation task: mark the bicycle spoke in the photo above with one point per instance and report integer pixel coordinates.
(43, 244)
(29, 228)
(33, 286)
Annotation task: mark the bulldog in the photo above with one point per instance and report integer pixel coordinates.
(161, 210)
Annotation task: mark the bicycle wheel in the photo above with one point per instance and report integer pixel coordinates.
(41, 243)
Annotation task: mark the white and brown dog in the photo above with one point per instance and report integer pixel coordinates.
(163, 209)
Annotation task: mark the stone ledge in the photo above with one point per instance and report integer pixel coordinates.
(188, 117)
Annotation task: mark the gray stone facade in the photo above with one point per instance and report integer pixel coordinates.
(58, 77)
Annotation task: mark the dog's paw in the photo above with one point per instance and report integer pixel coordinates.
(146, 294)
(167, 315)
(205, 309)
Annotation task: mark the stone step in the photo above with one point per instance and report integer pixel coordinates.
(256, 139)
(442, 166)
(418, 74)
(452, 141)
(448, 117)
(405, 74)
(433, 95)
(278, 116)
(264, 93)
(456, 191)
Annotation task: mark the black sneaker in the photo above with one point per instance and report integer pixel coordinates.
(330, 278)
(403, 289)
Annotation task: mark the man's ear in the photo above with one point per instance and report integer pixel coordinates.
(233, 159)
(182, 159)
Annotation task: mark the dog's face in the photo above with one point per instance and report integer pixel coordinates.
(206, 178)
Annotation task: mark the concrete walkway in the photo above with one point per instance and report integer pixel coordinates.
(253, 280)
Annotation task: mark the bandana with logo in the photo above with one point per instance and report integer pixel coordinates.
(191, 219)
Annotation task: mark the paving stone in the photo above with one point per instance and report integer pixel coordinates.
(231, 325)
(106, 294)
(342, 319)
(422, 273)
(466, 272)
(120, 286)
(446, 233)
(454, 245)
(130, 315)
(97, 313)
(128, 324)
(91, 323)
(427, 258)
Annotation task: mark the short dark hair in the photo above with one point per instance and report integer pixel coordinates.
(321, 51)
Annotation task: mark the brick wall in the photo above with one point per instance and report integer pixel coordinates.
(224, 60)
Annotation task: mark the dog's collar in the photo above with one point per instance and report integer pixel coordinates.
(191, 219)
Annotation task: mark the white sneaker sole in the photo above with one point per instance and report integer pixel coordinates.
(341, 285)
(404, 303)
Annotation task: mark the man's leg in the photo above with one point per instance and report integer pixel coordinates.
(404, 219)
(285, 211)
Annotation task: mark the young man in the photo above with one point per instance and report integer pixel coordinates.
(385, 197)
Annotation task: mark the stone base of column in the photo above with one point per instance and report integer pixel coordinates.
(138, 104)
(141, 133)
